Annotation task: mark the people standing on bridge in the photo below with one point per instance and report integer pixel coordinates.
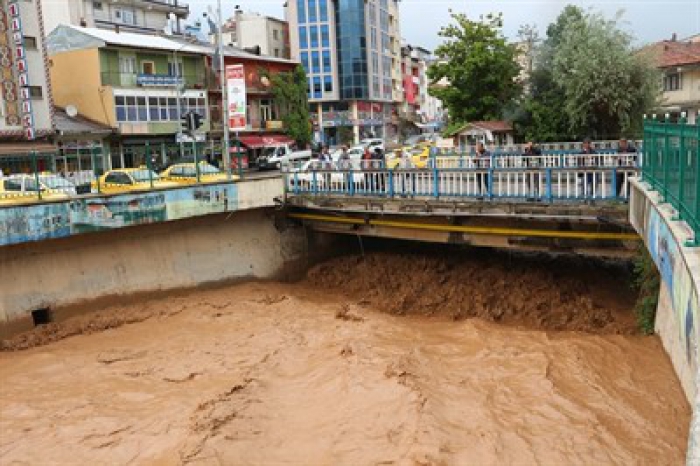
(407, 178)
(623, 149)
(583, 161)
(344, 159)
(483, 163)
(532, 154)
(378, 164)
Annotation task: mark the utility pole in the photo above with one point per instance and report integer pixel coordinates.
(224, 97)
(178, 93)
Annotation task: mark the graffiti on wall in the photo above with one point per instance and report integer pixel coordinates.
(44, 221)
(664, 250)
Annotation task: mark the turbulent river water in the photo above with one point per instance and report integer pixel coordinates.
(387, 359)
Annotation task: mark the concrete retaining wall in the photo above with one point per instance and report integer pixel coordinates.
(677, 314)
(149, 258)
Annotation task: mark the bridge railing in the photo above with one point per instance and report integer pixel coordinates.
(672, 167)
(610, 159)
(544, 185)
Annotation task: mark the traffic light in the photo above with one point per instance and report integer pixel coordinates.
(191, 121)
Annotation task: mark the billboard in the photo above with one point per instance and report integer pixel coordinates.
(235, 94)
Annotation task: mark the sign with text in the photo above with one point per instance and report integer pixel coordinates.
(235, 94)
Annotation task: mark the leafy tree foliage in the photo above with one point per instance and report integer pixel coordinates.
(587, 81)
(480, 67)
(290, 92)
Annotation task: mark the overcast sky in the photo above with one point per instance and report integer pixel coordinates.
(648, 20)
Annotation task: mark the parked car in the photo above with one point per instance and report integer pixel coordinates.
(130, 179)
(22, 188)
(280, 156)
(372, 144)
(420, 156)
(305, 178)
(186, 173)
(354, 153)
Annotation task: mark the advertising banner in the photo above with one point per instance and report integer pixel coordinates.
(235, 93)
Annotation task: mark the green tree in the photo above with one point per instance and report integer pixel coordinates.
(606, 85)
(290, 92)
(479, 66)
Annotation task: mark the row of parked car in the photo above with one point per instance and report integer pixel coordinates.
(24, 188)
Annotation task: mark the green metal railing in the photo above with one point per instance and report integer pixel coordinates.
(671, 165)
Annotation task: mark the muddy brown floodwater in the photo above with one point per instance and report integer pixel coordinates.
(346, 368)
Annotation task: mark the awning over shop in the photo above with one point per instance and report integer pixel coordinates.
(275, 139)
(26, 148)
(251, 142)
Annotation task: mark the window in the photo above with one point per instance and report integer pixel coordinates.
(313, 17)
(315, 63)
(148, 67)
(305, 61)
(29, 43)
(303, 38)
(326, 61)
(317, 88)
(153, 110)
(118, 178)
(325, 36)
(13, 185)
(267, 110)
(301, 11)
(275, 34)
(277, 53)
(97, 6)
(127, 65)
(313, 32)
(323, 6)
(673, 82)
(175, 69)
(125, 16)
(35, 92)
(327, 84)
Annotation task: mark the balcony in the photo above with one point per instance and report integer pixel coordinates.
(117, 79)
(171, 6)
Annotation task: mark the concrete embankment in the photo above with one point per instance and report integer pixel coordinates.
(66, 272)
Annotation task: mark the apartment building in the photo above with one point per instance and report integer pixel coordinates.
(138, 16)
(418, 106)
(253, 30)
(26, 111)
(679, 63)
(137, 85)
(351, 52)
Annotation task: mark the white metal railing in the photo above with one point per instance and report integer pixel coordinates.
(538, 161)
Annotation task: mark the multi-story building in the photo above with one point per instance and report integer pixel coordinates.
(26, 110)
(139, 16)
(136, 84)
(679, 62)
(418, 106)
(252, 30)
(351, 52)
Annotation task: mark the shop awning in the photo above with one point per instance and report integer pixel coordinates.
(26, 148)
(251, 142)
(274, 139)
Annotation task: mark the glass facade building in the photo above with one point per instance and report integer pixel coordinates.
(315, 46)
(353, 73)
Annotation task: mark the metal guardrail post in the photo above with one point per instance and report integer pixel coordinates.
(489, 179)
(664, 190)
(296, 182)
(196, 161)
(682, 159)
(351, 183)
(549, 185)
(390, 176)
(149, 165)
(314, 187)
(436, 184)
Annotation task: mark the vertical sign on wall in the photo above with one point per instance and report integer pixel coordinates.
(8, 87)
(235, 93)
(22, 67)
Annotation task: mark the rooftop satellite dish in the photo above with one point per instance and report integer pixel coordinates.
(71, 111)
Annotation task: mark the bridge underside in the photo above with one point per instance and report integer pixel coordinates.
(600, 230)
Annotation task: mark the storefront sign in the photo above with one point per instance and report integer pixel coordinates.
(274, 124)
(158, 80)
(20, 60)
(235, 93)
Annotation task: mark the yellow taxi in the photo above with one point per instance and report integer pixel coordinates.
(130, 179)
(420, 155)
(23, 188)
(186, 173)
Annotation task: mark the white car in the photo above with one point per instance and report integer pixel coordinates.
(306, 177)
(354, 154)
(49, 182)
(372, 144)
(281, 156)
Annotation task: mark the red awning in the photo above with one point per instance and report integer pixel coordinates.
(252, 142)
(275, 139)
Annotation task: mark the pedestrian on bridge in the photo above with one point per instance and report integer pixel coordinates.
(623, 149)
(589, 176)
(532, 154)
(483, 163)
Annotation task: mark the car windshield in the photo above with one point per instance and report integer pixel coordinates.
(208, 169)
(56, 182)
(414, 140)
(144, 175)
